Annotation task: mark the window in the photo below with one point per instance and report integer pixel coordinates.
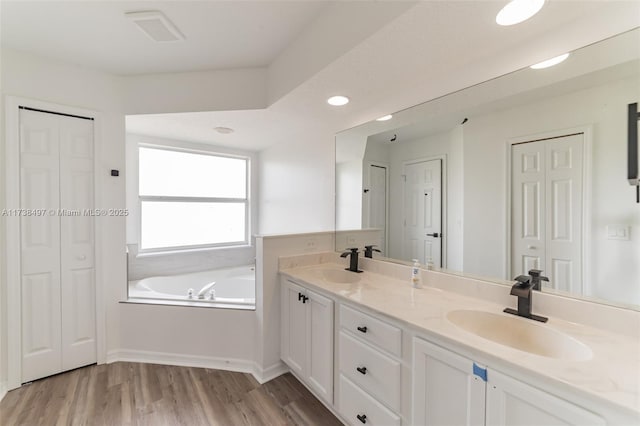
(191, 199)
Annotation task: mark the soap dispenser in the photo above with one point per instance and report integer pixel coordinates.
(415, 274)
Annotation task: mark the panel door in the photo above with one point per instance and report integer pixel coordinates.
(423, 212)
(513, 403)
(77, 243)
(294, 328)
(564, 213)
(528, 201)
(320, 344)
(547, 210)
(445, 390)
(40, 245)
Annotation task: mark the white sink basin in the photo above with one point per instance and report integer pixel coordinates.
(521, 334)
(339, 276)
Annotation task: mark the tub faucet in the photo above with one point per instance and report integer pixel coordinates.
(204, 289)
(368, 251)
(353, 260)
(522, 289)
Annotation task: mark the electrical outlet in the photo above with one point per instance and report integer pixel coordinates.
(311, 244)
(618, 232)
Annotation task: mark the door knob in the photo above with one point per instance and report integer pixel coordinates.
(434, 235)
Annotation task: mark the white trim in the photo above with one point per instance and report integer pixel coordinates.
(587, 165)
(367, 183)
(444, 223)
(12, 224)
(197, 361)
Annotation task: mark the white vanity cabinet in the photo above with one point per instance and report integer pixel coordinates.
(451, 389)
(445, 389)
(511, 402)
(370, 369)
(306, 344)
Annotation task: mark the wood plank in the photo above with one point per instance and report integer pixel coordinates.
(132, 394)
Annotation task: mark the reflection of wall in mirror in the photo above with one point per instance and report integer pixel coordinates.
(613, 264)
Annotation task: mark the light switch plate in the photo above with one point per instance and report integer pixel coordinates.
(618, 232)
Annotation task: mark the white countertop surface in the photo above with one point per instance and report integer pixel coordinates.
(612, 375)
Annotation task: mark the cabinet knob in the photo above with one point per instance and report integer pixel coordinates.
(362, 329)
(362, 370)
(362, 418)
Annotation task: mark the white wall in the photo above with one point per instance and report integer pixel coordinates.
(297, 186)
(613, 201)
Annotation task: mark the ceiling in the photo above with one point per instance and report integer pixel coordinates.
(96, 34)
(404, 56)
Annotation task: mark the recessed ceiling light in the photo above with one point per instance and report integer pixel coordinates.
(550, 62)
(155, 25)
(385, 117)
(223, 130)
(338, 100)
(517, 11)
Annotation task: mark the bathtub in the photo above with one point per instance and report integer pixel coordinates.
(234, 287)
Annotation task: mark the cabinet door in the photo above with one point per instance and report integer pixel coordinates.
(511, 402)
(320, 344)
(445, 389)
(294, 328)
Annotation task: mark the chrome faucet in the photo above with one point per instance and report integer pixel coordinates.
(368, 251)
(523, 290)
(353, 259)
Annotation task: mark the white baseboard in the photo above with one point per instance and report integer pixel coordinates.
(3, 390)
(263, 375)
(227, 364)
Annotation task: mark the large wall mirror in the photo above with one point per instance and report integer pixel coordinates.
(526, 171)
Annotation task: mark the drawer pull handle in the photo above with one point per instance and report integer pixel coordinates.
(362, 370)
(362, 329)
(362, 417)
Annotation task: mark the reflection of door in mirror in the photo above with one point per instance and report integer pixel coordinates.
(423, 211)
(547, 209)
(375, 201)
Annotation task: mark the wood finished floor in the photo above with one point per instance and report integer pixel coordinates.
(125, 393)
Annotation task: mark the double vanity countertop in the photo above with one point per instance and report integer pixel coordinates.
(605, 366)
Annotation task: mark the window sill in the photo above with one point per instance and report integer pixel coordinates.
(209, 305)
(190, 250)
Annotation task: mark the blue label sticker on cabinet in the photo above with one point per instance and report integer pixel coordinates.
(480, 372)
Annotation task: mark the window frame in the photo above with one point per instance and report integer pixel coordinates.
(182, 199)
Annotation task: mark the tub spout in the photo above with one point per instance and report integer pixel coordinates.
(204, 289)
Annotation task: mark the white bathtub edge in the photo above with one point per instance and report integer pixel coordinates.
(182, 360)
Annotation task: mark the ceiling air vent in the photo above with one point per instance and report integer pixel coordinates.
(155, 25)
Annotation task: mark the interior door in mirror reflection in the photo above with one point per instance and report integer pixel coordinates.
(547, 209)
(375, 205)
(423, 211)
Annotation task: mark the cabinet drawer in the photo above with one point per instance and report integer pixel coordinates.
(373, 330)
(370, 369)
(358, 408)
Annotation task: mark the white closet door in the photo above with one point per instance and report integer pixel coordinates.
(40, 245)
(564, 213)
(77, 243)
(528, 211)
